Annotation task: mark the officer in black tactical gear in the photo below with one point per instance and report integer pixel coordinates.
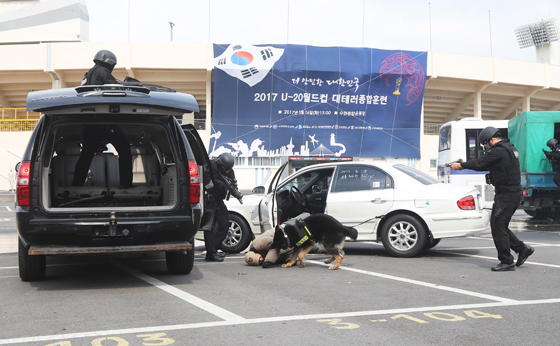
(222, 167)
(554, 157)
(95, 137)
(502, 160)
(100, 74)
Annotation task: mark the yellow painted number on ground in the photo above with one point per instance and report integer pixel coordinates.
(408, 318)
(480, 314)
(156, 337)
(450, 317)
(61, 343)
(120, 341)
(337, 321)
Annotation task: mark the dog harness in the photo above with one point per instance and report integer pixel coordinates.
(304, 234)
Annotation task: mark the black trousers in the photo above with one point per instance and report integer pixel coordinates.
(92, 139)
(219, 230)
(503, 209)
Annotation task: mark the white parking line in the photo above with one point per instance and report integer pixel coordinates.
(8, 208)
(273, 319)
(420, 283)
(494, 258)
(189, 298)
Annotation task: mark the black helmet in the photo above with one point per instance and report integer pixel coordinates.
(226, 161)
(105, 56)
(486, 134)
(551, 143)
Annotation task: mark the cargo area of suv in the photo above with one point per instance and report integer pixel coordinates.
(154, 169)
(160, 211)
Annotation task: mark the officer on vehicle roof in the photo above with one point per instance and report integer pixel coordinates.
(94, 137)
(502, 160)
(100, 74)
(221, 166)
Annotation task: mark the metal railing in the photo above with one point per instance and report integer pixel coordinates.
(17, 119)
(431, 128)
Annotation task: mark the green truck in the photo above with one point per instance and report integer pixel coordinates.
(529, 132)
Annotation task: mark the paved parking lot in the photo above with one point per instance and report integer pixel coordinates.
(446, 296)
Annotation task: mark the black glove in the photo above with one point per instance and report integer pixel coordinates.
(267, 264)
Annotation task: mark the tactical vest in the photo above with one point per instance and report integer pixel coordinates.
(506, 172)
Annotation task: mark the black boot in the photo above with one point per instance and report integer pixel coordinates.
(212, 257)
(523, 255)
(502, 267)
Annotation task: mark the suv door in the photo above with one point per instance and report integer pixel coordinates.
(205, 171)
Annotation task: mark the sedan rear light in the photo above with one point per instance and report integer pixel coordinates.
(23, 194)
(466, 203)
(194, 192)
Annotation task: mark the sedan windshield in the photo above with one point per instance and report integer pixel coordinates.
(417, 175)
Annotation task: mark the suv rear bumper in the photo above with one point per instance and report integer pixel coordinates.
(100, 232)
(76, 250)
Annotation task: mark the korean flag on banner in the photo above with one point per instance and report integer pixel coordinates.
(248, 63)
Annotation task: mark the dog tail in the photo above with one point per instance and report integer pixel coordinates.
(351, 232)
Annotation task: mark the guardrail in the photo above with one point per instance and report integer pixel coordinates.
(17, 119)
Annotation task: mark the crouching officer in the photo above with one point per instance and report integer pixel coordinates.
(222, 167)
(502, 160)
(554, 157)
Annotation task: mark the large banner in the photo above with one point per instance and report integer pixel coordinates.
(286, 100)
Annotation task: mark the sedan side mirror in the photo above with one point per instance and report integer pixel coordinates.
(259, 190)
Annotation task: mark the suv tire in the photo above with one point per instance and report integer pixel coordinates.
(31, 268)
(179, 262)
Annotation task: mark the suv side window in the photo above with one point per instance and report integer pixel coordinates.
(360, 178)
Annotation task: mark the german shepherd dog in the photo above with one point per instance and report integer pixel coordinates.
(316, 228)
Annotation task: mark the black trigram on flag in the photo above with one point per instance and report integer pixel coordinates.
(266, 53)
(222, 61)
(249, 72)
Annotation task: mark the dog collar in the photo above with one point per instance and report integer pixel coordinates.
(285, 235)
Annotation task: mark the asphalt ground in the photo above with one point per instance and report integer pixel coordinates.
(446, 296)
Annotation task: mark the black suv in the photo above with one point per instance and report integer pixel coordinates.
(161, 212)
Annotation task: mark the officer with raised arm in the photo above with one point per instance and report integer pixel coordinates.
(502, 160)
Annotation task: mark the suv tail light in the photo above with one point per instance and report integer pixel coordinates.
(466, 203)
(23, 193)
(194, 195)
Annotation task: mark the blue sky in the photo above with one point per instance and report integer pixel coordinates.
(457, 27)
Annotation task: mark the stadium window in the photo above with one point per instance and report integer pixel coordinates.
(433, 164)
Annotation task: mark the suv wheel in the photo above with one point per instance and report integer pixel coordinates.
(180, 262)
(239, 235)
(31, 268)
(403, 236)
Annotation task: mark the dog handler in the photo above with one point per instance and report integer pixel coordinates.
(502, 160)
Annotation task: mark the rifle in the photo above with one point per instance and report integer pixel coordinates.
(231, 185)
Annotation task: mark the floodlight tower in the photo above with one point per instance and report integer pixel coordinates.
(544, 36)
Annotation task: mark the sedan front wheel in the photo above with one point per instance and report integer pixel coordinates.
(239, 235)
(403, 236)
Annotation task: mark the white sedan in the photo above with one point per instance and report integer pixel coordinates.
(405, 209)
